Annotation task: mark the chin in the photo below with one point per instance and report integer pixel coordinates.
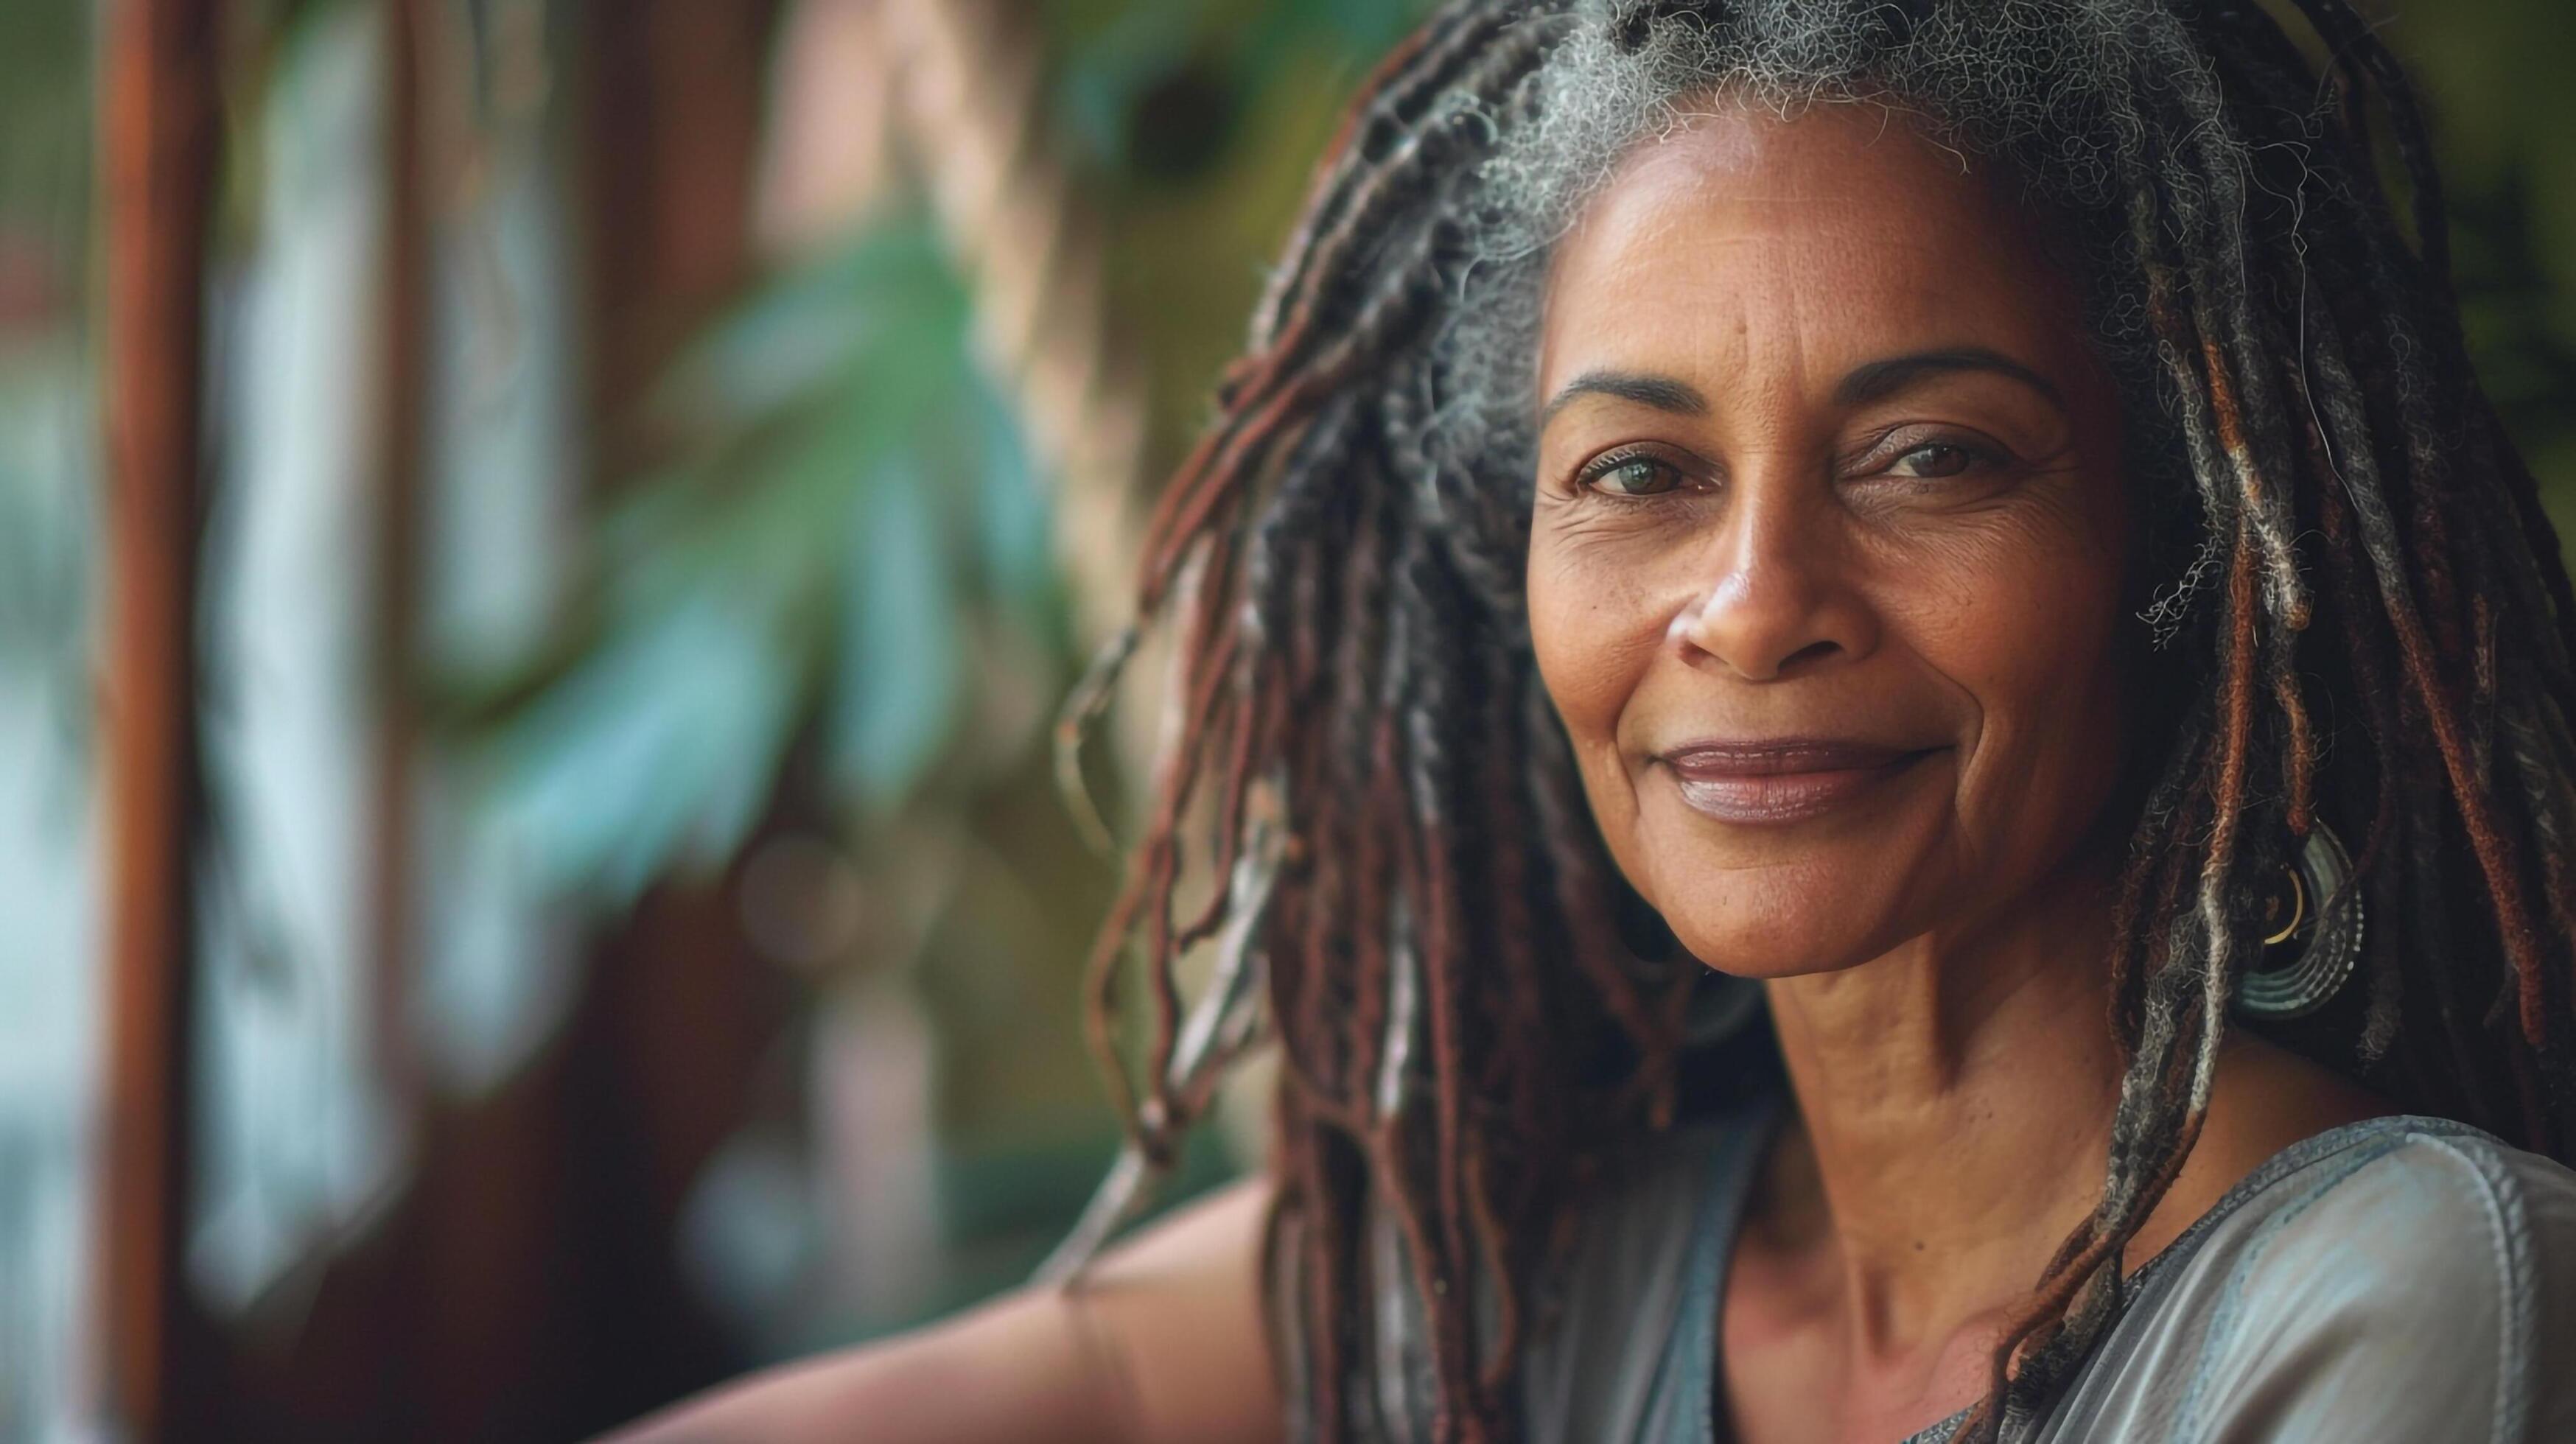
(1789, 920)
(1729, 953)
(1780, 902)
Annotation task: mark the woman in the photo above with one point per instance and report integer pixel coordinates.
(1891, 731)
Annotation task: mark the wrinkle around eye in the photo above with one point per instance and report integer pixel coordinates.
(1604, 525)
(2029, 499)
(1624, 527)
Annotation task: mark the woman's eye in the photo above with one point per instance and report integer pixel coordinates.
(1633, 476)
(1937, 460)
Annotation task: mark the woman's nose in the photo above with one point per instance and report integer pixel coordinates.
(1772, 597)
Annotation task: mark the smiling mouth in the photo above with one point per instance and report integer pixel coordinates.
(1782, 780)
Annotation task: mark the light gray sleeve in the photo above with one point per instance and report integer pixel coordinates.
(2430, 1295)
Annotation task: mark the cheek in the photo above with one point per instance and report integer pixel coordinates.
(2033, 643)
(1593, 633)
(2011, 600)
(2011, 634)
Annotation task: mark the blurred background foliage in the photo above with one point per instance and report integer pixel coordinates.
(2509, 155)
(844, 524)
(824, 619)
(797, 373)
(846, 542)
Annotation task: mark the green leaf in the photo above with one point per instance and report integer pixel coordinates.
(657, 751)
(890, 294)
(1015, 517)
(851, 488)
(899, 680)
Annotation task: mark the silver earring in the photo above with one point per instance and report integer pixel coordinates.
(2312, 934)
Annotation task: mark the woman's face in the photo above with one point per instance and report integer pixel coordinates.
(1825, 565)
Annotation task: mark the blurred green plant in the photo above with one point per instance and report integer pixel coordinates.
(1155, 91)
(45, 120)
(852, 551)
(2494, 72)
(47, 414)
(852, 518)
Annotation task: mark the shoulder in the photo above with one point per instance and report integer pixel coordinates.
(2405, 1274)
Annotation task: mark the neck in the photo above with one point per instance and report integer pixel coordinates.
(1954, 1101)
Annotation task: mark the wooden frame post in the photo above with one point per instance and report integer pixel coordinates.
(157, 148)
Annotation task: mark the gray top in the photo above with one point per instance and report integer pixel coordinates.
(2403, 1278)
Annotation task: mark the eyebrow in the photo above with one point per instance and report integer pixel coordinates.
(1878, 380)
(1662, 393)
(1867, 382)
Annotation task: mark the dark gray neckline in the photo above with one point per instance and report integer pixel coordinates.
(1738, 1166)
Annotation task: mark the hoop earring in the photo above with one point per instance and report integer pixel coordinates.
(2312, 934)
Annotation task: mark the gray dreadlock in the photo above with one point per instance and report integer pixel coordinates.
(1402, 871)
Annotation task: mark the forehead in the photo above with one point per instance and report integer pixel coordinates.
(1842, 235)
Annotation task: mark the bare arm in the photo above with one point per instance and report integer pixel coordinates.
(1163, 1342)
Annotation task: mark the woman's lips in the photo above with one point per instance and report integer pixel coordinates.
(1783, 779)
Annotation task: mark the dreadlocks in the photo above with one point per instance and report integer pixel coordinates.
(1369, 809)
